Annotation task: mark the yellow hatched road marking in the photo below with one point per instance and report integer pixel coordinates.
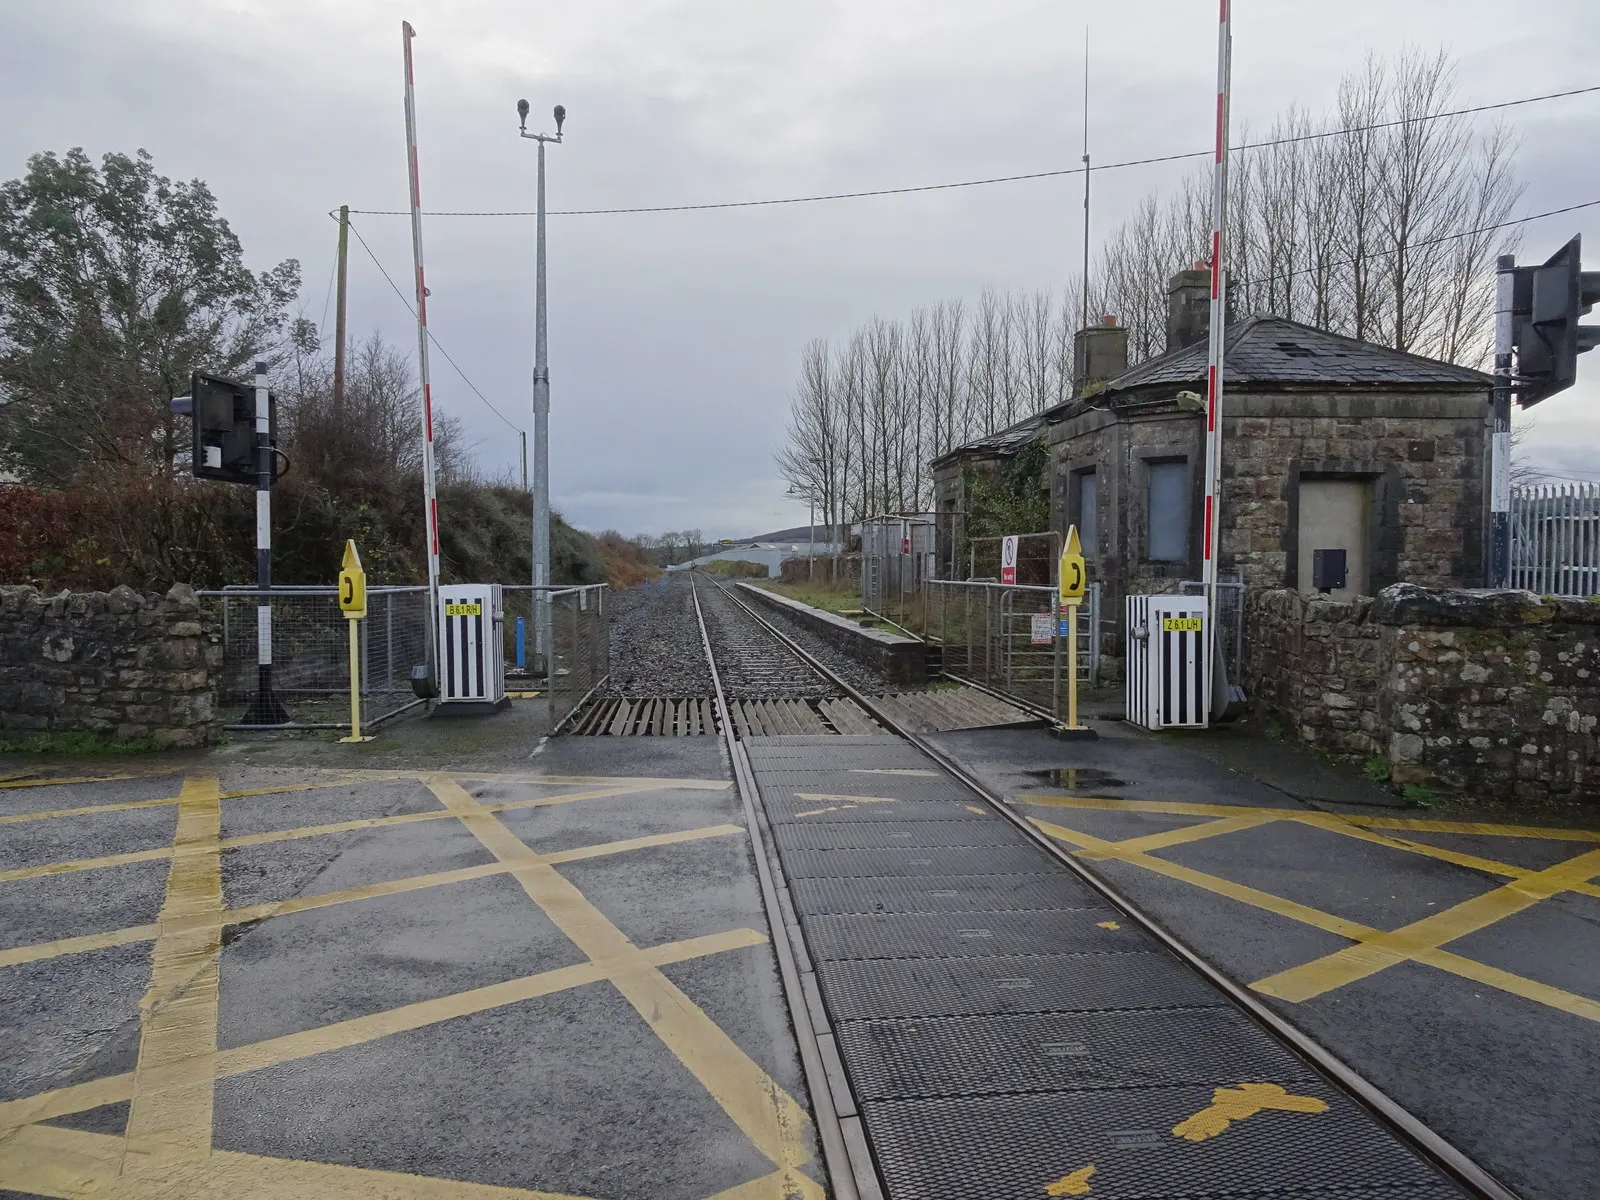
(159, 802)
(1301, 983)
(60, 1102)
(170, 1115)
(27, 781)
(281, 908)
(763, 1111)
(71, 1164)
(1100, 848)
(1175, 808)
(647, 782)
(1191, 833)
(305, 831)
(1347, 824)
(1441, 959)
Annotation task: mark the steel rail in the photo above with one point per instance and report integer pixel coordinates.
(830, 1130)
(1456, 1165)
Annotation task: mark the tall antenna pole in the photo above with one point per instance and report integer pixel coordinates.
(340, 304)
(1219, 291)
(430, 493)
(1084, 323)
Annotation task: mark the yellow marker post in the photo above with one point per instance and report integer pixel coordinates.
(1073, 583)
(353, 603)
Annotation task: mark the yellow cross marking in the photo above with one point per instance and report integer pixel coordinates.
(1375, 949)
(1076, 1183)
(283, 835)
(389, 887)
(166, 1150)
(764, 1112)
(1236, 1103)
(1374, 954)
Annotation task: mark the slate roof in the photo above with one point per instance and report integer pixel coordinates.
(1002, 442)
(1263, 349)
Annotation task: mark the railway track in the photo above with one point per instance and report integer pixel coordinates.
(877, 1144)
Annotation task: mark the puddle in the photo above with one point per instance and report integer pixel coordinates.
(1078, 779)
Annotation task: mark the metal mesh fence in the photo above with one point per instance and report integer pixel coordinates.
(311, 652)
(1037, 558)
(581, 650)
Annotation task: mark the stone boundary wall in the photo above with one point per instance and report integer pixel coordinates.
(114, 663)
(1495, 694)
(899, 659)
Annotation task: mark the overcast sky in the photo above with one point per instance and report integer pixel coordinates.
(675, 336)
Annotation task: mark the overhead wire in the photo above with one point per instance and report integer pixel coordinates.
(432, 337)
(966, 183)
(1410, 246)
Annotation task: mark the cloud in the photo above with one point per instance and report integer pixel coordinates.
(675, 337)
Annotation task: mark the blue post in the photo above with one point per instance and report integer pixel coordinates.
(522, 643)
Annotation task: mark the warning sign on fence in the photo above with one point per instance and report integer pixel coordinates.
(1008, 560)
(1043, 633)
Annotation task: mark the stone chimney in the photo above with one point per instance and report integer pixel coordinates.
(1188, 307)
(1099, 353)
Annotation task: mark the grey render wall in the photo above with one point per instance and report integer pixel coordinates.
(114, 663)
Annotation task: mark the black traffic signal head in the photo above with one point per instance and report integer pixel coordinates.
(1546, 304)
(225, 429)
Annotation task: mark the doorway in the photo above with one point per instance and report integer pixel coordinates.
(1336, 514)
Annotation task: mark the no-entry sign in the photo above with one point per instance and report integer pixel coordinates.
(1008, 560)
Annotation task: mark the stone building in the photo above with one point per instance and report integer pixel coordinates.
(1329, 443)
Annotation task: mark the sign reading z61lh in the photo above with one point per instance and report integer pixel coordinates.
(1182, 624)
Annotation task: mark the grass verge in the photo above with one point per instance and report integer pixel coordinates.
(76, 744)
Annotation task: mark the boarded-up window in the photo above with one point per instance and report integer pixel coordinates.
(1086, 508)
(1169, 510)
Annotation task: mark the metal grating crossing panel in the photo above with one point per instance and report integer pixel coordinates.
(835, 752)
(947, 860)
(943, 893)
(971, 935)
(865, 989)
(948, 1148)
(1004, 1029)
(791, 777)
(877, 835)
(964, 1056)
(832, 808)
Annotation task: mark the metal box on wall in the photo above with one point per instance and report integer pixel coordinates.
(1169, 664)
(471, 653)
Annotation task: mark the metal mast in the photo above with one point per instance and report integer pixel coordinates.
(429, 489)
(1218, 331)
(541, 411)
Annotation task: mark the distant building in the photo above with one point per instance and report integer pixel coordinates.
(1329, 443)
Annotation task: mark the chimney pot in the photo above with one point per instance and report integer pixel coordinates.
(1110, 322)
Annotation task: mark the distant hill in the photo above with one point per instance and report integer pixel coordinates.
(799, 533)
